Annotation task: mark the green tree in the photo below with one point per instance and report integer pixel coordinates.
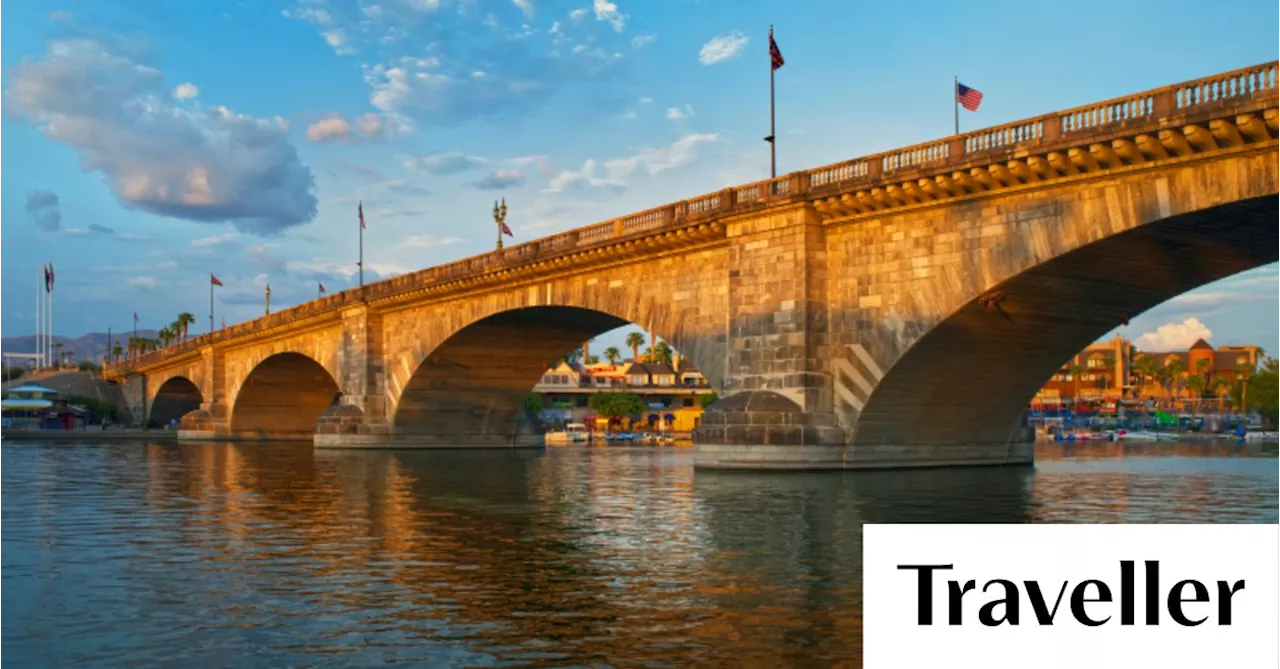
(618, 405)
(533, 403)
(1146, 369)
(10, 372)
(635, 340)
(573, 357)
(593, 360)
(1076, 370)
(707, 400)
(612, 354)
(57, 354)
(1197, 384)
(116, 351)
(87, 366)
(185, 321)
(663, 353)
(1264, 390)
(1171, 377)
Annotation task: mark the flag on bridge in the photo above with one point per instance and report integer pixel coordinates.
(360, 213)
(506, 231)
(321, 288)
(969, 98)
(214, 280)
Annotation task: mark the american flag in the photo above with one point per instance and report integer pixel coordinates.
(322, 289)
(969, 98)
(360, 211)
(775, 56)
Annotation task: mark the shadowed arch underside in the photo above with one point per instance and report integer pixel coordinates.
(471, 389)
(969, 380)
(175, 398)
(282, 397)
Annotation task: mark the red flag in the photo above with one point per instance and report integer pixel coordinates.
(214, 280)
(775, 56)
(360, 211)
(507, 231)
(322, 288)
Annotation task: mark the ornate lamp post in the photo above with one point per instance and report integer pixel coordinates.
(268, 299)
(500, 217)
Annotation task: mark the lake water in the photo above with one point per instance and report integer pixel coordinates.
(220, 555)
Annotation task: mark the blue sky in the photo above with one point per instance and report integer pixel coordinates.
(151, 142)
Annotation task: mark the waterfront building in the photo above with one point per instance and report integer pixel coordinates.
(1115, 373)
(670, 392)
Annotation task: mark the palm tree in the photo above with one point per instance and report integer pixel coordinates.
(164, 335)
(57, 354)
(1221, 387)
(663, 353)
(116, 351)
(1076, 370)
(635, 340)
(185, 320)
(1197, 384)
(612, 354)
(1146, 368)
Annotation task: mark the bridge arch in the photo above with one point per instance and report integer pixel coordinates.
(471, 387)
(282, 397)
(969, 377)
(176, 396)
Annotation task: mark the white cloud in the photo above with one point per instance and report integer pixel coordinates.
(641, 40)
(578, 15)
(444, 163)
(649, 160)
(608, 12)
(215, 240)
(501, 179)
(1174, 336)
(525, 6)
(678, 113)
(190, 162)
(329, 128)
(720, 49)
(427, 241)
(337, 38)
(646, 100)
(335, 127)
(141, 282)
(186, 91)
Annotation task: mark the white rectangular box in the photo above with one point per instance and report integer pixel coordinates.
(1128, 616)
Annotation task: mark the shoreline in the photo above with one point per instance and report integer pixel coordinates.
(88, 435)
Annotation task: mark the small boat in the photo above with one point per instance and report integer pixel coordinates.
(573, 433)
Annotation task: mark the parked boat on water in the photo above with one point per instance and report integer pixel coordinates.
(573, 433)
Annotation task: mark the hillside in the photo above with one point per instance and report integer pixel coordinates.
(89, 347)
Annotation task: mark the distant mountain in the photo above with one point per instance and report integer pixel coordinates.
(89, 347)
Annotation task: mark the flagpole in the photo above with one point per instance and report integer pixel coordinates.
(955, 101)
(39, 322)
(361, 263)
(211, 303)
(773, 136)
(49, 346)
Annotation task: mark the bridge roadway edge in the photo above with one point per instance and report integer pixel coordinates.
(786, 350)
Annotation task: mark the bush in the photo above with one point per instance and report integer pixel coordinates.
(618, 405)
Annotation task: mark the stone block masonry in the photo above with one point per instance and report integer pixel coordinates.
(894, 310)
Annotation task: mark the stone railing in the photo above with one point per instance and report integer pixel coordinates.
(1226, 89)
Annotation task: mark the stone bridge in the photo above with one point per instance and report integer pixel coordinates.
(894, 310)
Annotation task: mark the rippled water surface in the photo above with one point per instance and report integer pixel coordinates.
(133, 554)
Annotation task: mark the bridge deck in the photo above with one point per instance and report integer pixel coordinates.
(860, 185)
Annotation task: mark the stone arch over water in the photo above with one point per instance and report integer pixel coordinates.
(282, 397)
(471, 388)
(176, 397)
